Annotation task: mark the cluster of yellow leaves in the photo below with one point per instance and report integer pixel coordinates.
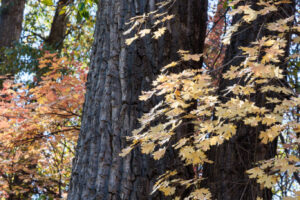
(136, 23)
(249, 15)
(215, 122)
(267, 171)
(168, 186)
(201, 193)
(164, 185)
(39, 128)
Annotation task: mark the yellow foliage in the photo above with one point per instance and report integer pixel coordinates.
(131, 40)
(200, 194)
(159, 154)
(217, 118)
(144, 32)
(159, 32)
(148, 148)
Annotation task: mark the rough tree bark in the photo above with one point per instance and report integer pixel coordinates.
(58, 30)
(226, 177)
(118, 73)
(11, 18)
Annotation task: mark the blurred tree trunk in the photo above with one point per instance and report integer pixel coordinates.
(58, 30)
(118, 73)
(226, 177)
(11, 18)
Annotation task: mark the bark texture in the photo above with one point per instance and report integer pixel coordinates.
(118, 73)
(226, 177)
(58, 30)
(11, 18)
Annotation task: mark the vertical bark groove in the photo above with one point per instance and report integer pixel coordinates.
(118, 73)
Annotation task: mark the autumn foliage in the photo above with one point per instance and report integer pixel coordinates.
(40, 122)
(219, 115)
(39, 128)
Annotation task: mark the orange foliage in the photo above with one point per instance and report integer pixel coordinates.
(39, 129)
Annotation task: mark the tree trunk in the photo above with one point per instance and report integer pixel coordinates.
(58, 30)
(226, 177)
(11, 18)
(118, 73)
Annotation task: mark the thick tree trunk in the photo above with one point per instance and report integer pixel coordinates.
(11, 18)
(226, 177)
(118, 73)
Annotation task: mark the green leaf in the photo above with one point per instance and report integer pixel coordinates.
(81, 6)
(47, 2)
(63, 10)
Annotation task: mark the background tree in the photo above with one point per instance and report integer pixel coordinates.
(234, 157)
(59, 25)
(11, 18)
(41, 104)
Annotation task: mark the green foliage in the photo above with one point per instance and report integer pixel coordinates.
(48, 2)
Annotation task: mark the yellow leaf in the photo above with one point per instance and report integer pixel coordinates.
(159, 32)
(228, 130)
(136, 23)
(42, 100)
(168, 191)
(270, 134)
(146, 95)
(215, 140)
(250, 14)
(252, 121)
(269, 43)
(148, 147)
(269, 119)
(125, 151)
(131, 40)
(226, 40)
(144, 32)
(172, 64)
(201, 194)
(267, 181)
(255, 172)
(160, 153)
(181, 51)
(195, 57)
(177, 93)
(167, 18)
(180, 143)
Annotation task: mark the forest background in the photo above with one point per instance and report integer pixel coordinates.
(44, 64)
